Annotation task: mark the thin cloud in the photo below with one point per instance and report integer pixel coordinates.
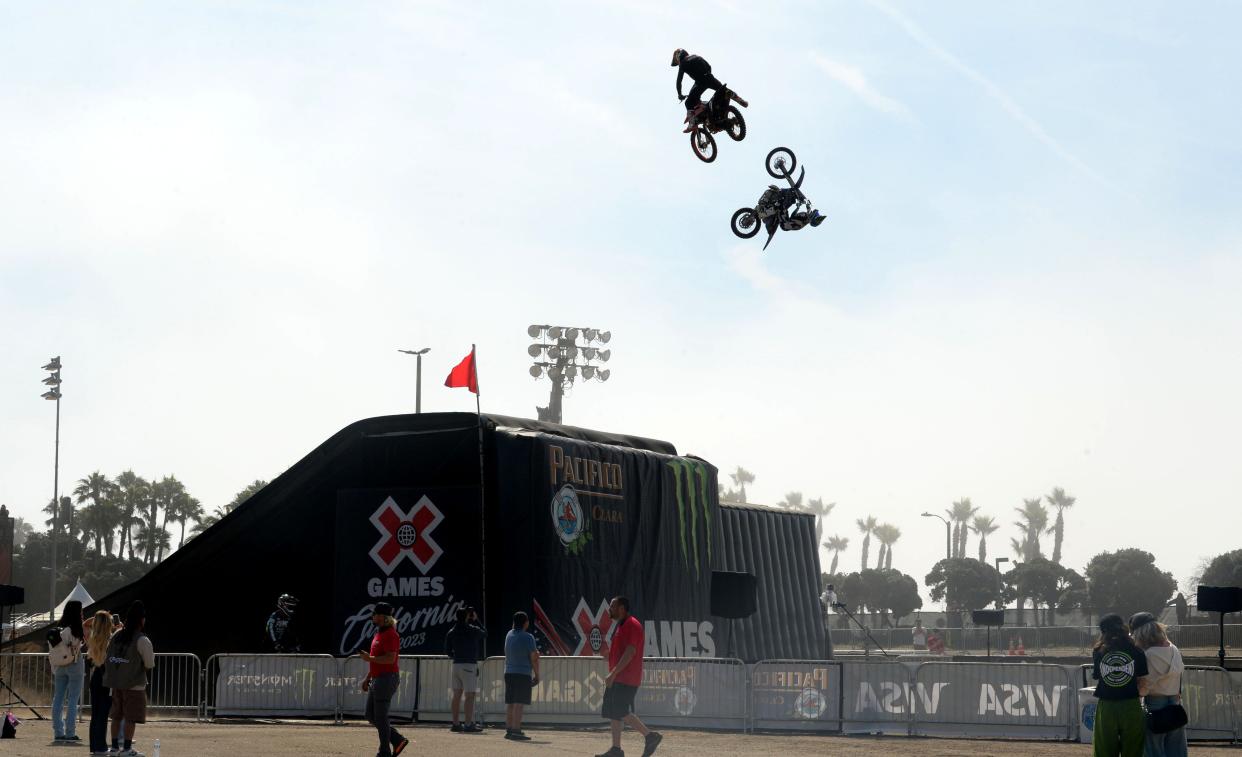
(993, 91)
(855, 81)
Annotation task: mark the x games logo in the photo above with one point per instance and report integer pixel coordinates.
(406, 535)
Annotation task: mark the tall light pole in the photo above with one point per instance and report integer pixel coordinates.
(1000, 585)
(418, 383)
(948, 535)
(53, 381)
(557, 354)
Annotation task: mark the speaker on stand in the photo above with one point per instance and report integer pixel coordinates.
(1221, 599)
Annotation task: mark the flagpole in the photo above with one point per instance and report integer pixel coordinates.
(478, 408)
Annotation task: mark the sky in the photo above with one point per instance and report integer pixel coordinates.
(226, 217)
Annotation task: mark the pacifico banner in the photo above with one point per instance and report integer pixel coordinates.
(416, 549)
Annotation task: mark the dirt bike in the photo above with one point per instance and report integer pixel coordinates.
(716, 115)
(778, 208)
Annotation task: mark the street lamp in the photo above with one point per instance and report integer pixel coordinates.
(1000, 586)
(418, 382)
(948, 537)
(53, 394)
(565, 354)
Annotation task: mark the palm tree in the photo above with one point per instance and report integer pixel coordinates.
(961, 513)
(64, 523)
(97, 518)
(188, 509)
(132, 498)
(207, 521)
(1062, 502)
(985, 526)
(741, 477)
(151, 540)
(836, 545)
(820, 510)
(1034, 521)
(792, 501)
(867, 527)
(174, 497)
(887, 534)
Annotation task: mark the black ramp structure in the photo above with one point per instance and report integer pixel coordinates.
(394, 509)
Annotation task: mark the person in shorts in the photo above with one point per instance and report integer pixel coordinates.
(625, 675)
(465, 645)
(521, 674)
(130, 657)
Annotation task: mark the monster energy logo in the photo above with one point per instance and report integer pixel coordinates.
(690, 497)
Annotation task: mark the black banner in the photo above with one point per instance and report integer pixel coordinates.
(606, 520)
(418, 550)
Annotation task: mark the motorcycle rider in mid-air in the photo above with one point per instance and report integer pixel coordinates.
(282, 634)
(783, 199)
(700, 71)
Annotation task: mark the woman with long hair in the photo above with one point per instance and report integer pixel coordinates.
(383, 679)
(1121, 669)
(1164, 682)
(99, 633)
(68, 670)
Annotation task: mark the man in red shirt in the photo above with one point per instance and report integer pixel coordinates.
(383, 679)
(625, 675)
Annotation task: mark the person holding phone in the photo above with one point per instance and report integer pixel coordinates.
(383, 679)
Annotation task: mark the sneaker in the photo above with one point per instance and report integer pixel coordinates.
(471, 728)
(131, 752)
(517, 736)
(455, 728)
(75, 737)
(616, 751)
(652, 742)
(400, 747)
(817, 218)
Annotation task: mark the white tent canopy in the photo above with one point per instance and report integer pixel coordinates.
(79, 594)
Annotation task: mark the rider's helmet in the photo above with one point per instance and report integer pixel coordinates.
(678, 54)
(287, 603)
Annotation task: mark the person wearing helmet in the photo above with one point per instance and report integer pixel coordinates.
(700, 71)
(282, 636)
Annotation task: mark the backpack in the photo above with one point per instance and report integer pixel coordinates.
(60, 651)
(9, 730)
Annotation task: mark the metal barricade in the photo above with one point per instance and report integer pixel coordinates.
(30, 677)
(693, 692)
(271, 685)
(352, 700)
(796, 695)
(173, 686)
(570, 690)
(1211, 704)
(993, 700)
(876, 697)
(434, 689)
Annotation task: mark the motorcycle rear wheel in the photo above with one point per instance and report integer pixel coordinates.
(735, 124)
(745, 222)
(781, 154)
(703, 144)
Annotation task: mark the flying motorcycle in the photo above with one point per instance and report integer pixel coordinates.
(716, 115)
(778, 207)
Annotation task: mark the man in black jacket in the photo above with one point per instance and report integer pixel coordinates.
(465, 645)
(700, 71)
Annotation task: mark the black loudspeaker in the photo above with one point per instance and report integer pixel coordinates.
(987, 617)
(1220, 599)
(734, 595)
(12, 595)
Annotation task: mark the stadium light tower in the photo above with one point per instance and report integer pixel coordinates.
(564, 354)
(53, 394)
(418, 380)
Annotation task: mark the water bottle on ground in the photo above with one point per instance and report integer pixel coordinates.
(155, 751)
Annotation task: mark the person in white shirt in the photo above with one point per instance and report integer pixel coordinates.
(1163, 683)
(918, 635)
(68, 672)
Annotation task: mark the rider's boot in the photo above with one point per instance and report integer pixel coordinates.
(692, 117)
(817, 218)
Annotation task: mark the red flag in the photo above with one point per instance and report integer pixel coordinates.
(465, 374)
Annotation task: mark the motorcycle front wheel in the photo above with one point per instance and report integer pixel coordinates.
(781, 158)
(735, 124)
(745, 222)
(703, 144)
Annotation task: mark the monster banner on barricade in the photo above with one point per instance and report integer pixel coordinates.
(796, 695)
(709, 694)
(284, 685)
(416, 549)
(599, 521)
(354, 699)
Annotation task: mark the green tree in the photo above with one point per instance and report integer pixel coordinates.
(887, 534)
(173, 498)
(741, 477)
(985, 526)
(867, 527)
(820, 510)
(1033, 520)
(1038, 580)
(207, 521)
(792, 501)
(1061, 502)
(1223, 570)
(1127, 581)
(98, 518)
(133, 493)
(65, 520)
(900, 594)
(836, 545)
(963, 584)
(960, 514)
(188, 508)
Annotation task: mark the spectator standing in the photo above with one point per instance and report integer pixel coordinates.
(99, 634)
(465, 645)
(1120, 667)
(68, 671)
(130, 656)
(625, 675)
(383, 679)
(521, 674)
(935, 642)
(918, 635)
(1164, 682)
(1182, 608)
